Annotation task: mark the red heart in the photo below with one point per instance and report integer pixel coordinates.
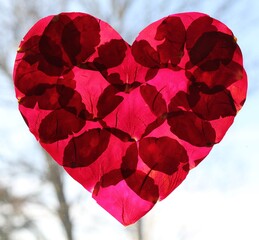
(129, 122)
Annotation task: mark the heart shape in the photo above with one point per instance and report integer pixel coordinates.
(129, 122)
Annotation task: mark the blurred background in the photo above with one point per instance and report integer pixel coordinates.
(218, 200)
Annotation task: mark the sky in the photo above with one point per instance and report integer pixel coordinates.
(218, 200)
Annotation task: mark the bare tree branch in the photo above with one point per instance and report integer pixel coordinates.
(4, 68)
(13, 214)
(140, 232)
(55, 176)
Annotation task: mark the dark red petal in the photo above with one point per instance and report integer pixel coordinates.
(225, 75)
(172, 32)
(212, 49)
(197, 28)
(83, 150)
(144, 186)
(111, 178)
(129, 161)
(111, 54)
(151, 73)
(58, 125)
(187, 126)
(52, 53)
(153, 125)
(179, 102)
(154, 99)
(211, 106)
(80, 37)
(144, 54)
(49, 101)
(108, 101)
(30, 50)
(162, 154)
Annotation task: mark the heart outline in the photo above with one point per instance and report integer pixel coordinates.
(167, 73)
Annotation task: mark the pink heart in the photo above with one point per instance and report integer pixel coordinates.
(129, 122)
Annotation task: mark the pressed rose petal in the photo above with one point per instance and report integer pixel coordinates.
(162, 154)
(83, 150)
